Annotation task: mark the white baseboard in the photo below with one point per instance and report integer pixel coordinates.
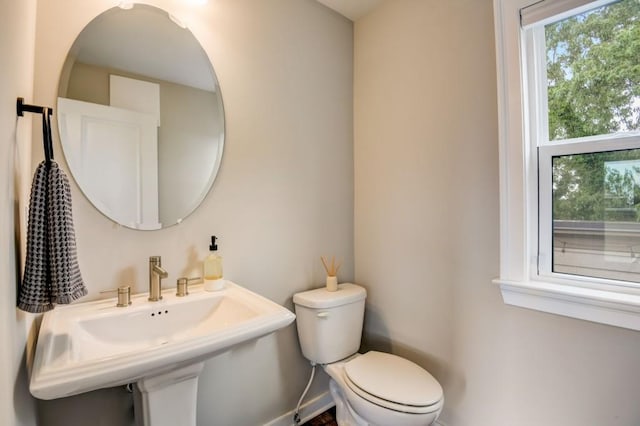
(309, 410)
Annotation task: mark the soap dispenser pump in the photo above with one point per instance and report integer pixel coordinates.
(213, 268)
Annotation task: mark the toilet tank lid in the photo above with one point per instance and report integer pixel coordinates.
(320, 298)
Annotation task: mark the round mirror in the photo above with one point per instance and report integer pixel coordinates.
(140, 117)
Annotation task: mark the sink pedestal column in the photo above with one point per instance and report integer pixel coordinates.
(168, 399)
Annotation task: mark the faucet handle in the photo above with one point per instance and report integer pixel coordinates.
(182, 286)
(124, 295)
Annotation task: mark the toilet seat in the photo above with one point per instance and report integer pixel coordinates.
(394, 383)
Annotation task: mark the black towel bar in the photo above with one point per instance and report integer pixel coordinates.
(21, 107)
(47, 142)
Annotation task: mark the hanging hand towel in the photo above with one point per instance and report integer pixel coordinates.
(51, 273)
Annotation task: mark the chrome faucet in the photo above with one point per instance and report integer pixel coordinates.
(156, 273)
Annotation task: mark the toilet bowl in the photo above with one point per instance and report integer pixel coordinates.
(370, 389)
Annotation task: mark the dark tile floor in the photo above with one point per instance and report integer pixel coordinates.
(328, 418)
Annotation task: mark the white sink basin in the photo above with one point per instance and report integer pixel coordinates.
(93, 345)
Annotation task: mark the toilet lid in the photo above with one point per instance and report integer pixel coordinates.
(394, 379)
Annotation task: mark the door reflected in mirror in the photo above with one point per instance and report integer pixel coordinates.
(140, 117)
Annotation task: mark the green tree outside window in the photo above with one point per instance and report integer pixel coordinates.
(593, 78)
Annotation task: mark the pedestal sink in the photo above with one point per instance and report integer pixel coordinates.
(160, 346)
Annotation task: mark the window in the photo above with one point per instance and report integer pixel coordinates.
(594, 211)
(569, 94)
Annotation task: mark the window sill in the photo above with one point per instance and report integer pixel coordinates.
(605, 307)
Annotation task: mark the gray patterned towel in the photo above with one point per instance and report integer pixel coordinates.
(51, 272)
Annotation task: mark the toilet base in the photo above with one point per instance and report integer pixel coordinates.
(345, 415)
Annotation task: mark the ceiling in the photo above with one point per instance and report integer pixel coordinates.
(352, 9)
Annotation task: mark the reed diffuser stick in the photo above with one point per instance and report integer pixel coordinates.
(332, 268)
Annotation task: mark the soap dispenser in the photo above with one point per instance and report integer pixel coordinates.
(213, 268)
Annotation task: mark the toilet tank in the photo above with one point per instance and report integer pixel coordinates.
(330, 322)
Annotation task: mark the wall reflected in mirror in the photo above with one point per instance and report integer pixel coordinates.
(140, 117)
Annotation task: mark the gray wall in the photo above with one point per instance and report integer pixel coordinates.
(192, 129)
(426, 233)
(17, 23)
(283, 197)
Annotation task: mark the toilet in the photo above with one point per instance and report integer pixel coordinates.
(370, 389)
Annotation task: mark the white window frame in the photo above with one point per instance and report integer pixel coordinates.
(598, 300)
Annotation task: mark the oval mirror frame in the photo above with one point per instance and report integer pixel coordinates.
(140, 117)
